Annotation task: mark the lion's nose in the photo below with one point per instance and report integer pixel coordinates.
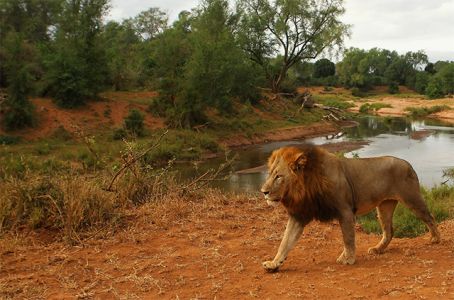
(265, 192)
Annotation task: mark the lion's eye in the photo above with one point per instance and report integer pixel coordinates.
(278, 177)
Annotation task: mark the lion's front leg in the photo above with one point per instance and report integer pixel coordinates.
(291, 235)
(347, 223)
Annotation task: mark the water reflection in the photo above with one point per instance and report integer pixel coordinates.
(428, 145)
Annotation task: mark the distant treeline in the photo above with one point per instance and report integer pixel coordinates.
(208, 57)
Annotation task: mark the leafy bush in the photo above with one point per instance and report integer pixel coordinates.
(357, 92)
(9, 140)
(374, 107)
(134, 122)
(337, 103)
(119, 134)
(435, 88)
(419, 112)
(393, 88)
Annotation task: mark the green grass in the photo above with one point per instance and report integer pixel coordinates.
(372, 107)
(419, 112)
(440, 201)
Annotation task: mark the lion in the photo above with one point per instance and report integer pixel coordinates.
(314, 184)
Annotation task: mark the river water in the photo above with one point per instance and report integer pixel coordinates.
(427, 144)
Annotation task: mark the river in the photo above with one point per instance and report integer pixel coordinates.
(427, 144)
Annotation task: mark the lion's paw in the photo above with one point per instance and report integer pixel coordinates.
(346, 260)
(435, 239)
(375, 251)
(270, 266)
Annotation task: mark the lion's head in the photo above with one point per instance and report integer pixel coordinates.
(296, 179)
(284, 166)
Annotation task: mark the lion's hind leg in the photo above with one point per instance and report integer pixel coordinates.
(385, 212)
(419, 207)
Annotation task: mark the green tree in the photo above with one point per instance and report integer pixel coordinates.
(324, 68)
(134, 122)
(76, 63)
(19, 111)
(33, 20)
(150, 23)
(435, 88)
(125, 58)
(421, 82)
(446, 75)
(298, 29)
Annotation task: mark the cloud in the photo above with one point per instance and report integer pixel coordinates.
(402, 25)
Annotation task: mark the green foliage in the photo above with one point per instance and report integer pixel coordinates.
(393, 87)
(134, 122)
(19, 112)
(357, 92)
(324, 68)
(419, 112)
(421, 82)
(267, 27)
(76, 62)
(9, 140)
(440, 201)
(446, 74)
(119, 134)
(435, 88)
(337, 103)
(374, 107)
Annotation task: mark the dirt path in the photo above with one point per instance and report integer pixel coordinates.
(215, 249)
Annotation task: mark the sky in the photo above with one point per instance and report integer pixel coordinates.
(401, 25)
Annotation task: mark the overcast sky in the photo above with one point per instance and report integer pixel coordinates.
(402, 25)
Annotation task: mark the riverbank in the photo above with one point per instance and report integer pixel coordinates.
(399, 106)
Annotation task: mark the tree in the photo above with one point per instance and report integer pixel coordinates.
(446, 75)
(150, 23)
(76, 63)
(298, 29)
(435, 88)
(19, 112)
(421, 82)
(33, 20)
(124, 55)
(199, 65)
(324, 68)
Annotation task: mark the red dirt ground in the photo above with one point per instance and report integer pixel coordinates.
(94, 116)
(214, 250)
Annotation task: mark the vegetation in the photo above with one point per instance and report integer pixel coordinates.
(302, 30)
(372, 107)
(419, 112)
(134, 123)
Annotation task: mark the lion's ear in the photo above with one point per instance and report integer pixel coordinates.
(299, 162)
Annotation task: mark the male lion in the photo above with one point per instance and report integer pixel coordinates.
(314, 184)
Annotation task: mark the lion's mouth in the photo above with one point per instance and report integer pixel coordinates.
(272, 201)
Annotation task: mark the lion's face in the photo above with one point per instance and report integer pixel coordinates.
(283, 165)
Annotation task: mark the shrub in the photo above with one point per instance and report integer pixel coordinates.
(434, 88)
(70, 204)
(357, 92)
(134, 122)
(119, 134)
(374, 107)
(419, 112)
(9, 140)
(393, 88)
